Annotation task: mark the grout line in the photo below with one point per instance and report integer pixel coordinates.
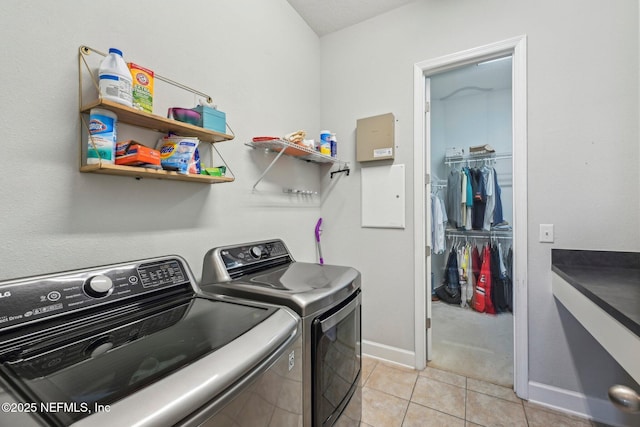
(466, 392)
(442, 412)
(498, 397)
(406, 411)
(526, 418)
(444, 382)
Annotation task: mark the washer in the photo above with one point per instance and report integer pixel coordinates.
(137, 343)
(326, 297)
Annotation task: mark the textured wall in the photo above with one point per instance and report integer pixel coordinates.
(582, 144)
(262, 69)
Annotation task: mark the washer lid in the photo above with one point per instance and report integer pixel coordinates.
(111, 360)
(303, 287)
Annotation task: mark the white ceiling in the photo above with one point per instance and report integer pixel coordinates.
(327, 16)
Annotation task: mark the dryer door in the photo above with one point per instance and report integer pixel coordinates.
(336, 359)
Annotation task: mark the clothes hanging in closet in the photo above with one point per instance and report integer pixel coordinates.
(490, 204)
(509, 274)
(466, 279)
(497, 212)
(438, 224)
(484, 302)
(498, 296)
(454, 197)
(468, 201)
(479, 199)
(481, 278)
(449, 292)
(473, 199)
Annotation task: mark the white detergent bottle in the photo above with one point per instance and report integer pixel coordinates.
(102, 136)
(115, 78)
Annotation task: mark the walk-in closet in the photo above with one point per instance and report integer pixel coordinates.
(471, 208)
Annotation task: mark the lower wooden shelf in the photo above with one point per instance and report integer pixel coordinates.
(139, 173)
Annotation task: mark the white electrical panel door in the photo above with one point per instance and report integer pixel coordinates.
(383, 196)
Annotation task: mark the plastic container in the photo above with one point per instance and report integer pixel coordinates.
(324, 136)
(115, 78)
(325, 144)
(334, 145)
(325, 148)
(101, 143)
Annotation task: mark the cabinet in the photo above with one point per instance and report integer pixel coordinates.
(141, 119)
(298, 151)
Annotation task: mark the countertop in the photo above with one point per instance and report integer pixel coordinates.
(611, 280)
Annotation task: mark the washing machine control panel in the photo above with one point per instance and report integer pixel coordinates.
(253, 255)
(33, 299)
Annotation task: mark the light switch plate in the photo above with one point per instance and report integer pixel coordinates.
(546, 233)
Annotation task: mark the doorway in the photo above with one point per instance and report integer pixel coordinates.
(470, 108)
(423, 178)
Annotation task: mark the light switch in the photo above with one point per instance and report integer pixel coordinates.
(546, 233)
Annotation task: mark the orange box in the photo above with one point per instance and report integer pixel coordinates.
(137, 154)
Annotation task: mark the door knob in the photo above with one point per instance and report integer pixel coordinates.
(624, 398)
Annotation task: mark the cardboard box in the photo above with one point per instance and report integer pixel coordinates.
(137, 154)
(481, 149)
(212, 119)
(142, 87)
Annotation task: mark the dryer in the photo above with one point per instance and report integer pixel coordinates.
(328, 298)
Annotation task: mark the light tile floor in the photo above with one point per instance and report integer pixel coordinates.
(395, 396)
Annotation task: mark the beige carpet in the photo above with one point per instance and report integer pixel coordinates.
(472, 344)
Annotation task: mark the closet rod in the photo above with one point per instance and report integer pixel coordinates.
(481, 237)
(471, 158)
(503, 234)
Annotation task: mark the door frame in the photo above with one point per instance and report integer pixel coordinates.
(516, 47)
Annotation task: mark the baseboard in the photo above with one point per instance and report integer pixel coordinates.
(388, 353)
(575, 403)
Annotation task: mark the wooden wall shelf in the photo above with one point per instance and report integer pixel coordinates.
(140, 172)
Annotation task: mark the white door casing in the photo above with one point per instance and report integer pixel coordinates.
(516, 47)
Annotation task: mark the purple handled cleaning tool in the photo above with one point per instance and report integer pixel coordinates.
(318, 231)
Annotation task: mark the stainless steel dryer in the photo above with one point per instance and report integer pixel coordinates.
(327, 298)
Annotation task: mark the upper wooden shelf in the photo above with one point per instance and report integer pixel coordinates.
(154, 122)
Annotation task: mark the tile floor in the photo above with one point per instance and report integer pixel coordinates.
(395, 396)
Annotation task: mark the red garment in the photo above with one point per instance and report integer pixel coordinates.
(486, 255)
(482, 302)
(476, 262)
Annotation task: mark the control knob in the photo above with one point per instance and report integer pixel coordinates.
(256, 252)
(98, 347)
(98, 286)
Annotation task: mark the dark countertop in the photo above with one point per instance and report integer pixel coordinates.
(609, 279)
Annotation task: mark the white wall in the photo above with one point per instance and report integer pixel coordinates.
(474, 119)
(258, 59)
(583, 144)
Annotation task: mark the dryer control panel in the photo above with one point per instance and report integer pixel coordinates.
(33, 299)
(229, 262)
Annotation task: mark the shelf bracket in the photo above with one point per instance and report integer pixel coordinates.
(267, 169)
(296, 151)
(344, 170)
